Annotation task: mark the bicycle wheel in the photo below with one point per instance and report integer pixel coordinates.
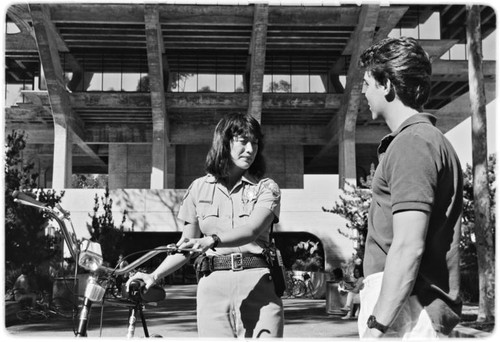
(64, 308)
(31, 316)
(299, 288)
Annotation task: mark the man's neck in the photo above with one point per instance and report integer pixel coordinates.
(397, 114)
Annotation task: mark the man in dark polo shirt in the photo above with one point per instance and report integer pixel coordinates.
(411, 258)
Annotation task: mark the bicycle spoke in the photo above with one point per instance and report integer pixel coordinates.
(299, 288)
(23, 315)
(64, 308)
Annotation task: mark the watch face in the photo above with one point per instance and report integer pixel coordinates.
(371, 322)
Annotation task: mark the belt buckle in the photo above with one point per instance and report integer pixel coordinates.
(236, 261)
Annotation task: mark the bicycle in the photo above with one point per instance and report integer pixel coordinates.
(87, 255)
(299, 285)
(41, 311)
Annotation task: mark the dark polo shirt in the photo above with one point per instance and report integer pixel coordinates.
(419, 170)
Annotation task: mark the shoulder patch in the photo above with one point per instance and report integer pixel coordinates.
(273, 187)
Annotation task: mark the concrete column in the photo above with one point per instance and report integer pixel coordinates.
(63, 163)
(171, 167)
(257, 53)
(117, 166)
(155, 49)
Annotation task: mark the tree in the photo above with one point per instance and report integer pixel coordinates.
(281, 86)
(177, 80)
(25, 238)
(470, 248)
(483, 232)
(354, 205)
(102, 228)
(89, 181)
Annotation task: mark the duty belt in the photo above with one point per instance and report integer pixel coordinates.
(238, 262)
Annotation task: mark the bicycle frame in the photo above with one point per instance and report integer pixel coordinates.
(89, 258)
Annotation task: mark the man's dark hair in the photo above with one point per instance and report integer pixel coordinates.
(218, 162)
(405, 63)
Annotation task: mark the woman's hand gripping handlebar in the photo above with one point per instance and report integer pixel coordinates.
(177, 257)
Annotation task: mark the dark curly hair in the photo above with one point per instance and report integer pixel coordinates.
(405, 63)
(218, 162)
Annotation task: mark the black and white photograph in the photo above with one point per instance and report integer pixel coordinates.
(294, 169)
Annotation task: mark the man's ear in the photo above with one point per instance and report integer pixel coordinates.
(389, 92)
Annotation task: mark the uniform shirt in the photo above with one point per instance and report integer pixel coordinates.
(216, 210)
(419, 170)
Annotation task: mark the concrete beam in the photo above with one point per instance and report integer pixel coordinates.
(459, 109)
(435, 48)
(237, 101)
(385, 23)
(184, 134)
(458, 70)
(342, 128)
(68, 127)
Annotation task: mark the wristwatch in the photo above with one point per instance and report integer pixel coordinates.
(372, 323)
(216, 240)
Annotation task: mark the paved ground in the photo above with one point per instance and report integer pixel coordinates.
(176, 318)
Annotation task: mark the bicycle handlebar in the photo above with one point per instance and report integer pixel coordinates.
(25, 199)
(171, 249)
(73, 247)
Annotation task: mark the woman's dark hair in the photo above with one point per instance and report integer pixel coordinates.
(218, 162)
(405, 63)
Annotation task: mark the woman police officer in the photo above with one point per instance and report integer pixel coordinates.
(228, 215)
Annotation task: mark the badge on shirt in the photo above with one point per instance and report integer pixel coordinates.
(249, 194)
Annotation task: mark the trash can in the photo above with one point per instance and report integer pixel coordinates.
(333, 299)
(65, 292)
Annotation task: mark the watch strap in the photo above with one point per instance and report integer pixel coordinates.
(372, 323)
(216, 240)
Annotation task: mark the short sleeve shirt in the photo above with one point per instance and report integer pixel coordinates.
(419, 170)
(210, 203)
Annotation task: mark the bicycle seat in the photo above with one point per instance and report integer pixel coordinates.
(137, 292)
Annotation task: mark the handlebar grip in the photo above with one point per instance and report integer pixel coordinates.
(137, 292)
(26, 198)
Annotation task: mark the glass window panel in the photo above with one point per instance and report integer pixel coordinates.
(395, 33)
(431, 28)
(131, 82)
(95, 83)
(12, 28)
(112, 82)
(13, 94)
(268, 83)
(410, 32)
(240, 86)
(489, 47)
(300, 83)
(281, 84)
(457, 52)
(225, 83)
(343, 80)
(206, 83)
(317, 85)
(189, 83)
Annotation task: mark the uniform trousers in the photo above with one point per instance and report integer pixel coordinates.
(239, 304)
(412, 322)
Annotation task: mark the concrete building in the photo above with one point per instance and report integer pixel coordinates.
(134, 91)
